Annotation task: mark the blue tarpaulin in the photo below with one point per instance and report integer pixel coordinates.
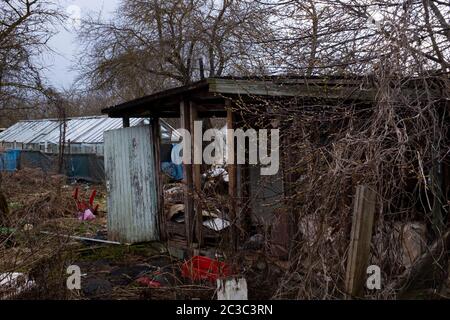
(9, 160)
(169, 153)
(175, 171)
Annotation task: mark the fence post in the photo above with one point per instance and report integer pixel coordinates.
(360, 238)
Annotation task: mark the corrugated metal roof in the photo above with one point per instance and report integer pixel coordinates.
(78, 130)
(27, 131)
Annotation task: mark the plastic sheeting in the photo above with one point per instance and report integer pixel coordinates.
(36, 159)
(88, 167)
(173, 170)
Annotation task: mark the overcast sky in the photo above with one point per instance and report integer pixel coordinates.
(64, 43)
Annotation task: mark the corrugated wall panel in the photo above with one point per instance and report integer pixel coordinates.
(131, 185)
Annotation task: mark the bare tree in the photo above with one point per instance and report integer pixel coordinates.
(25, 28)
(355, 36)
(150, 45)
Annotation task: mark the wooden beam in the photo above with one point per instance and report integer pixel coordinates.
(185, 120)
(196, 176)
(232, 176)
(299, 88)
(360, 238)
(162, 218)
(212, 114)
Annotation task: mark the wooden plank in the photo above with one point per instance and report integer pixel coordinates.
(196, 176)
(299, 88)
(232, 176)
(360, 238)
(162, 220)
(185, 120)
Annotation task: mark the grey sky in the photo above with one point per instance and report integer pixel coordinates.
(64, 43)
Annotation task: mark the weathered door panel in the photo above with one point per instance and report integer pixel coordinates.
(131, 185)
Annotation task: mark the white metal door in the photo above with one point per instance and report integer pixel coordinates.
(131, 185)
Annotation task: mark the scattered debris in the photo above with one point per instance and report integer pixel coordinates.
(210, 214)
(232, 289)
(13, 284)
(86, 210)
(27, 227)
(173, 193)
(176, 213)
(217, 172)
(217, 224)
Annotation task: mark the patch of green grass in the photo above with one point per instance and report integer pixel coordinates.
(15, 205)
(86, 228)
(147, 250)
(6, 231)
(113, 253)
(117, 253)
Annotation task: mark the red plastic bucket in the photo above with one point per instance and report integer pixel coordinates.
(204, 268)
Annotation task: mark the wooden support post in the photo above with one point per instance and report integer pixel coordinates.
(196, 174)
(288, 183)
(162, 218)
(126, 122)
(232, 176)
(244, 203)
(360, 238)
(185, 120)
(436, 176)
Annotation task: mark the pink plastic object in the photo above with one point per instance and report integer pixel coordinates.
(87, 215)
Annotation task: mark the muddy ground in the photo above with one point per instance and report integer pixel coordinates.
(35, 240)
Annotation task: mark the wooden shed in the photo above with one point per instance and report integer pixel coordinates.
(226, 98)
